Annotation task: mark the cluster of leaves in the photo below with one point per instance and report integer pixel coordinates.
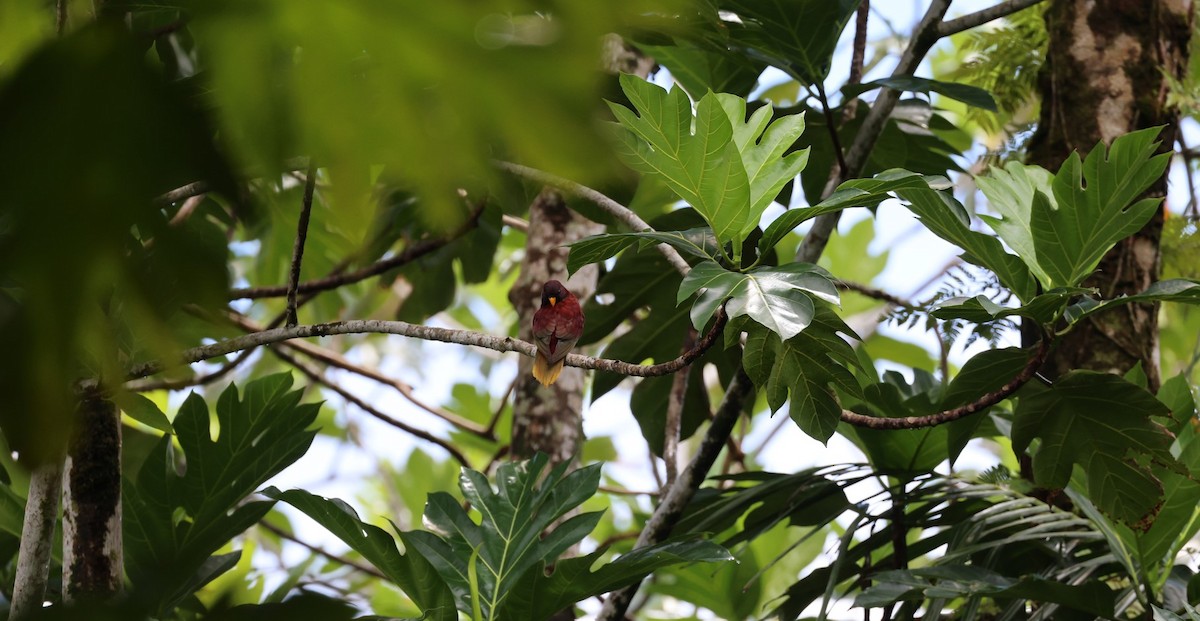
(498, 568)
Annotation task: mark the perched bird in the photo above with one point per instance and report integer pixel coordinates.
(556, 328)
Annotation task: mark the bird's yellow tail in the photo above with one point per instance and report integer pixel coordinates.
(545, 372)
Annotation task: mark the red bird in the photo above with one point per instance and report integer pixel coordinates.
(556, 328)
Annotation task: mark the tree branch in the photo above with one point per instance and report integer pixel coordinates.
(872, 292)
(310, 184)
(335, 359)
(319, 378)
(981, 17)
(431, 333)
(366, 569)
(677, 497)
(333, 281)
(986, 401)
(857, 56)
(922, 40)
(612, 207)
(674, 420)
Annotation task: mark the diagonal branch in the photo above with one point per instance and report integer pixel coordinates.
(431, 333)
(615, 209)
(335, 359)
(333, 281)
(363, 567)
(986, 401)
(310, 184)
(678, 495)
(981, 17)
(924, 36)
(316, 376)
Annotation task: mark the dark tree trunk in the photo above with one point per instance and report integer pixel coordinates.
(1105, 75)
(92, 555)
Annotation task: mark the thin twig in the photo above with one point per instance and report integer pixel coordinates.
(673, 423)
(857, 56)
(335, 359)
(981, 17)
(620, 491)
(310, 184)
(986, 401)
(318, 377)
(333, 281)
(366, 569)
(832, 125)
(872, 292)
(677, 497)
(615, 209)
(514, 222)
(146, 385)
(924, 36)
(431, 333)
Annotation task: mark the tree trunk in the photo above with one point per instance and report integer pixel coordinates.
(549, 418)
(37, 539)
(1106, 75)
(92, 559)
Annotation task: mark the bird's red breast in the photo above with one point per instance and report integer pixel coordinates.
(557, 326)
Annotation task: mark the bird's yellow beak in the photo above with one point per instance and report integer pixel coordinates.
(553, 300)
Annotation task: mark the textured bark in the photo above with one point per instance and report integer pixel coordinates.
(549, 418)
(37, 539)
(92, 560)
(1105, 75)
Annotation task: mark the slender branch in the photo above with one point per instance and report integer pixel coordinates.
(620, 491)
(515, 222)
(986, 401)
(316, 376)
(924, 36)
(192, 189)
(333, 281)
(310, 184)
(615, 209)
(981, 17)
(832, 125)
(677, 497)
(857, 56)
(146, 385)
(871, 292)
(60, 26)
(337, 558)
(430, 333)
(671, 428)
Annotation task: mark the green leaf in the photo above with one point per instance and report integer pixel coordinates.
(700, 71)
(809, 366)
(411, 572)
(538, 596)
(797, 36)
(1061, 227)
(964, 581)
(704, 168)
(512, 539)
(174, 523)
(946, 218)
(1044, 309)
(970, 95)
(1102, 423)
(763, 148)
(730, 169)
(698, 243)
(779, 298)
(1182, 290)
(144, 411)
(852, 193)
